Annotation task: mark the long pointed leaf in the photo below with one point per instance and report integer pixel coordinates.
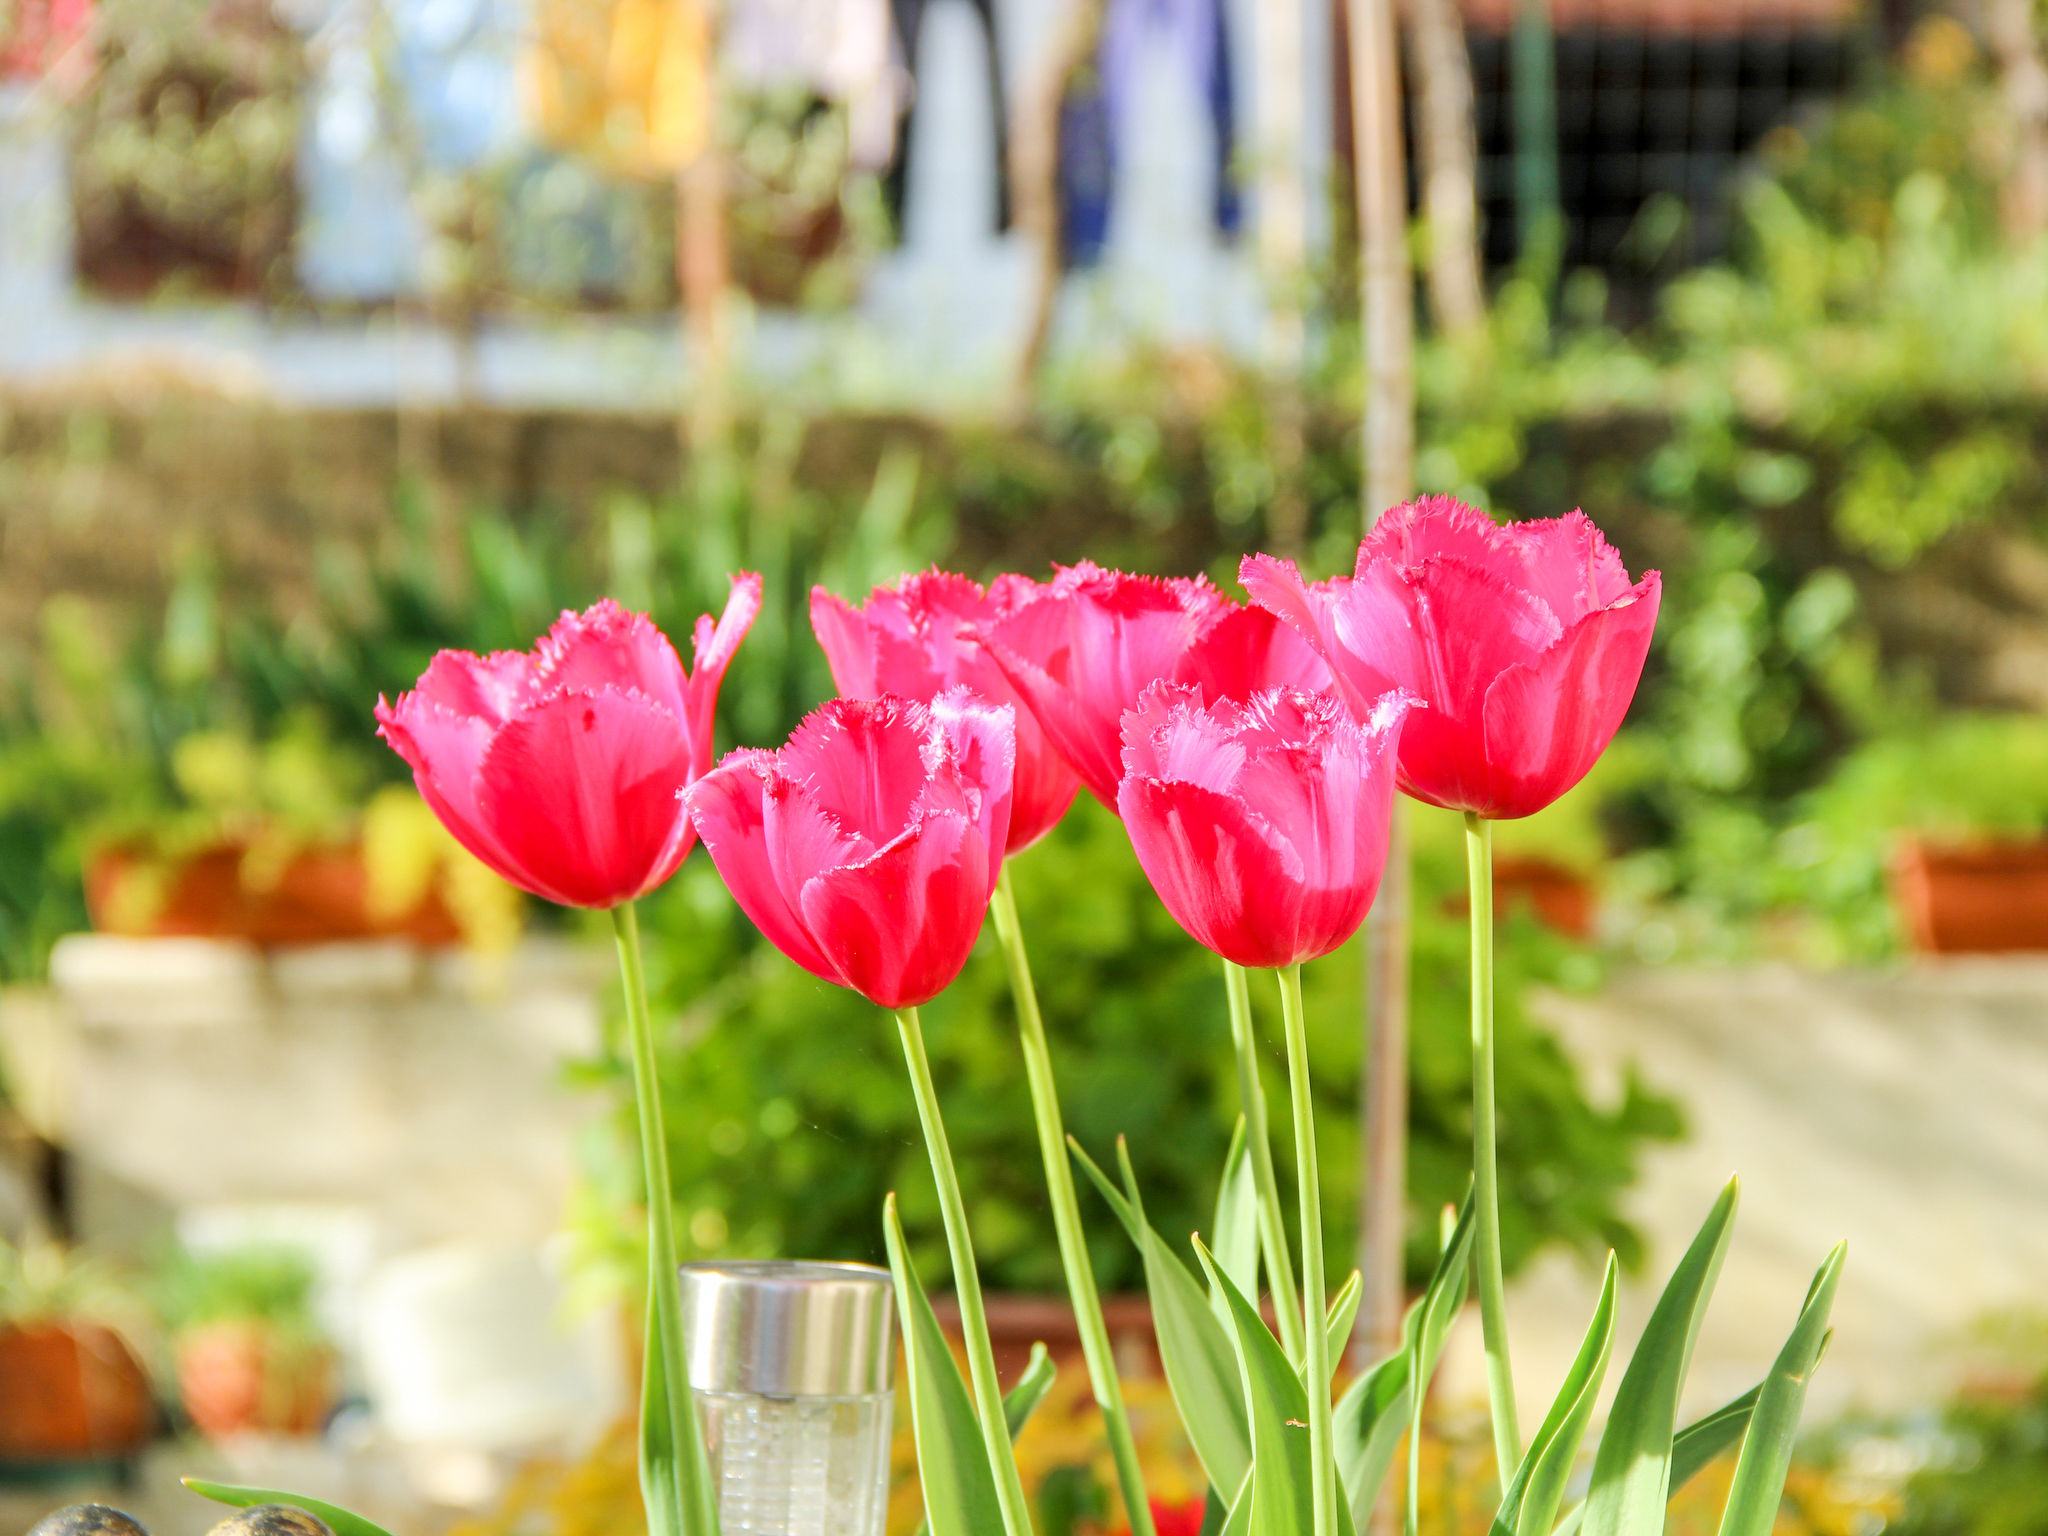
(341, 1521)
(1283, 1502)
(1373, 1413)
(1022, 1400)
(1201, 1366)
(1236, 1232)
(1693, 1449)
(959, 1486)
(1752, 1507)
(1632, 1469)
(661, 1479)
(1530, 1504)
(1343, 1314)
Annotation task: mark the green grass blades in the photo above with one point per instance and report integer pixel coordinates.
(1276, 1403)
(1530, 1505)
(1692, 1450)
(341, 1521)
(1343, 1314)
(1201, 1365)
(1373, 1413)
(1752, 1507)
(1632, 1469)
(1235, 1236)
(959, 1485)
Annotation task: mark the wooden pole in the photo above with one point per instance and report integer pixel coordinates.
(1282, 237)
(1450, 164)
(2023, 81)
(1386, 312)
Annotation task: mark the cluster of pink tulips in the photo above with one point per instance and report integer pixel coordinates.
(1252, 753)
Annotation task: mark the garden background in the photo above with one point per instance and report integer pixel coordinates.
(316, 1106)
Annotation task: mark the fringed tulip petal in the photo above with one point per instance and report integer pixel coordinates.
(1548, 721)
(868, 852)
(747, 812)
(1525, 641)
(1263, 825)
(917, 640)
(581, 791)
(562, 768)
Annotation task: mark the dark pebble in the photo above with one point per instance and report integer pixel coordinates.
(87, 1520)
(271, 1520)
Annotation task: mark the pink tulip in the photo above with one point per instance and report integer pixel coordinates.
(1247, 651)
(1080, 653)
(915, 640)
(1525, 641)
(562, 768)
(868, 847)
(1263, 825)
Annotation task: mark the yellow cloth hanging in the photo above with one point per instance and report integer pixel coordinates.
(626, 82)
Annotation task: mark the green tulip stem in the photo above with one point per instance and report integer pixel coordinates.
(664, 1352)
(981, 1356)
(1272, 1230)
(1493, 1319)
(1321, 1433)
(1066, 1211)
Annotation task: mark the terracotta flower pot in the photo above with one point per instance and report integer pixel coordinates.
(1559, 895)
(1985, 898)
(238, 1377)
(322, 895)
(70, 1391)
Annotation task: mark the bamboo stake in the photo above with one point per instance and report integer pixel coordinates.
(1386, 313)
(1450, 156)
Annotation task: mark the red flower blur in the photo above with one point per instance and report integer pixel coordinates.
(1525, 641)
(1263, 825)
(915, 640)
(1179, 1518)
(1080, 653)
(868, 847)
(562, 768)
(47, 39)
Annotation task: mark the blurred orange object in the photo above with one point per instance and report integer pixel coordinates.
(1983, 898)
(1559, 895)
(626, 82)
(239, 1377)
(74, 1390)
(319, 895)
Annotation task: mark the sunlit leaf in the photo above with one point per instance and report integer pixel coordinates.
(1632, 1469)
(952, 1465)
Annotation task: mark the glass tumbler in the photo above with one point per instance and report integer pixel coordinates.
(790, 1364)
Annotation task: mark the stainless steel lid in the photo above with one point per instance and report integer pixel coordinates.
(788, 1329)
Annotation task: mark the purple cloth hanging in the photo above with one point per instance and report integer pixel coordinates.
(1094, 120)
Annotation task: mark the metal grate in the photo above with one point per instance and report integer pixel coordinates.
(1653, 114)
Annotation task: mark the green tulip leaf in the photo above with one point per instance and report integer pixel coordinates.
(1022, 1400)
(341, 1521)
(1372, 1415)
(1632, 1469)
(1201, 1366)
(1344, 1314)
(1752, 1507)
(1530, 1505)
(1283, 1502)
(1236, 1233)
(1693, 1449)
(952, 1465)
(661, 1477)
